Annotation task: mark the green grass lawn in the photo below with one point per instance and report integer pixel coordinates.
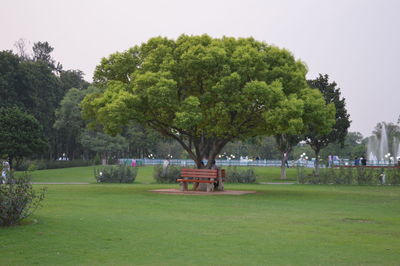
(83, 174)
(100, 224)
(145, 174)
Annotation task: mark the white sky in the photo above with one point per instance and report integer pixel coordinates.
(356, 42)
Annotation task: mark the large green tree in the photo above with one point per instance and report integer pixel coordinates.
(331, 94)
(200, 91)
(20, 135)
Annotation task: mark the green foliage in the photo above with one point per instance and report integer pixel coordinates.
(115, 174)
(18, 199)
(237, 175)
(264, 147)
(36, 85)
(9, 79)
(102, 143)
(200, 91)
(69, 122)
(353, 147)
(338, 132)
(20, 134)
(167, 175)
(51, 164)
(349, 175)
(72, 79)
(393, 176)
(97, 159)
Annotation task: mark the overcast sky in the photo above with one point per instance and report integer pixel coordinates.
(357, 43)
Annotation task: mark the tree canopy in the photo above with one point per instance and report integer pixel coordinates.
(36, 84)
(20, 134)
(338, 133)
(200, 91)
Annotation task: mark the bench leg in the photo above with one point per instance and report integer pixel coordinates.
(220, 184)
(210, 186)
(184, 186)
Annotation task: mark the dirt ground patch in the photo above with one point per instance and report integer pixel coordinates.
(191, 192)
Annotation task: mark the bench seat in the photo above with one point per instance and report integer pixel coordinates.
(196, 176)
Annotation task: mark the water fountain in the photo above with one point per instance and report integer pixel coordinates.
(378, 152)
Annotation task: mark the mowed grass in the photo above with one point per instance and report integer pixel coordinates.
(145, 174)
(83, 175)
(100, 224)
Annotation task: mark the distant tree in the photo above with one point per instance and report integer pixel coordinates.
(144, 141)
(40, 94)
(36, 85)
(263, 147)
(21, 47)
(72, 79)
(200, 91)
(69, 122)
(300, 114)
(103, 144)
(338, 133)
(9, 79)
(353, 146)
(41, 53)
(20, 135)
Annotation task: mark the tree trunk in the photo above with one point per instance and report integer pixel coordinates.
(283, 165)
(317, 162)
(10, 163)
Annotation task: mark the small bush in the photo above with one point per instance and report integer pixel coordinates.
(235, 175)
(168, 175)
(116, 174)
(18, 199)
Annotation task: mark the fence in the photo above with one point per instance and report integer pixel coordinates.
(183, 162)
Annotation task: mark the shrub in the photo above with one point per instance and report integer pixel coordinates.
(344, 176)
(302, 176)
(393, 176)
(67, 164)
(169, 175)
(349, 175)
(115, 174)
(26, 165)
(235, 175)
(18, 199)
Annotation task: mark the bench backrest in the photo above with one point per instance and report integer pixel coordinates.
(199, 173)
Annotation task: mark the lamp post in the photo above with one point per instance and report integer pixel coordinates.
(387, 156)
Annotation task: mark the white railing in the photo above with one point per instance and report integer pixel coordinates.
(188, 162)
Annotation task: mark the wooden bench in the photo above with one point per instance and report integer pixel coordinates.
(197, 176)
